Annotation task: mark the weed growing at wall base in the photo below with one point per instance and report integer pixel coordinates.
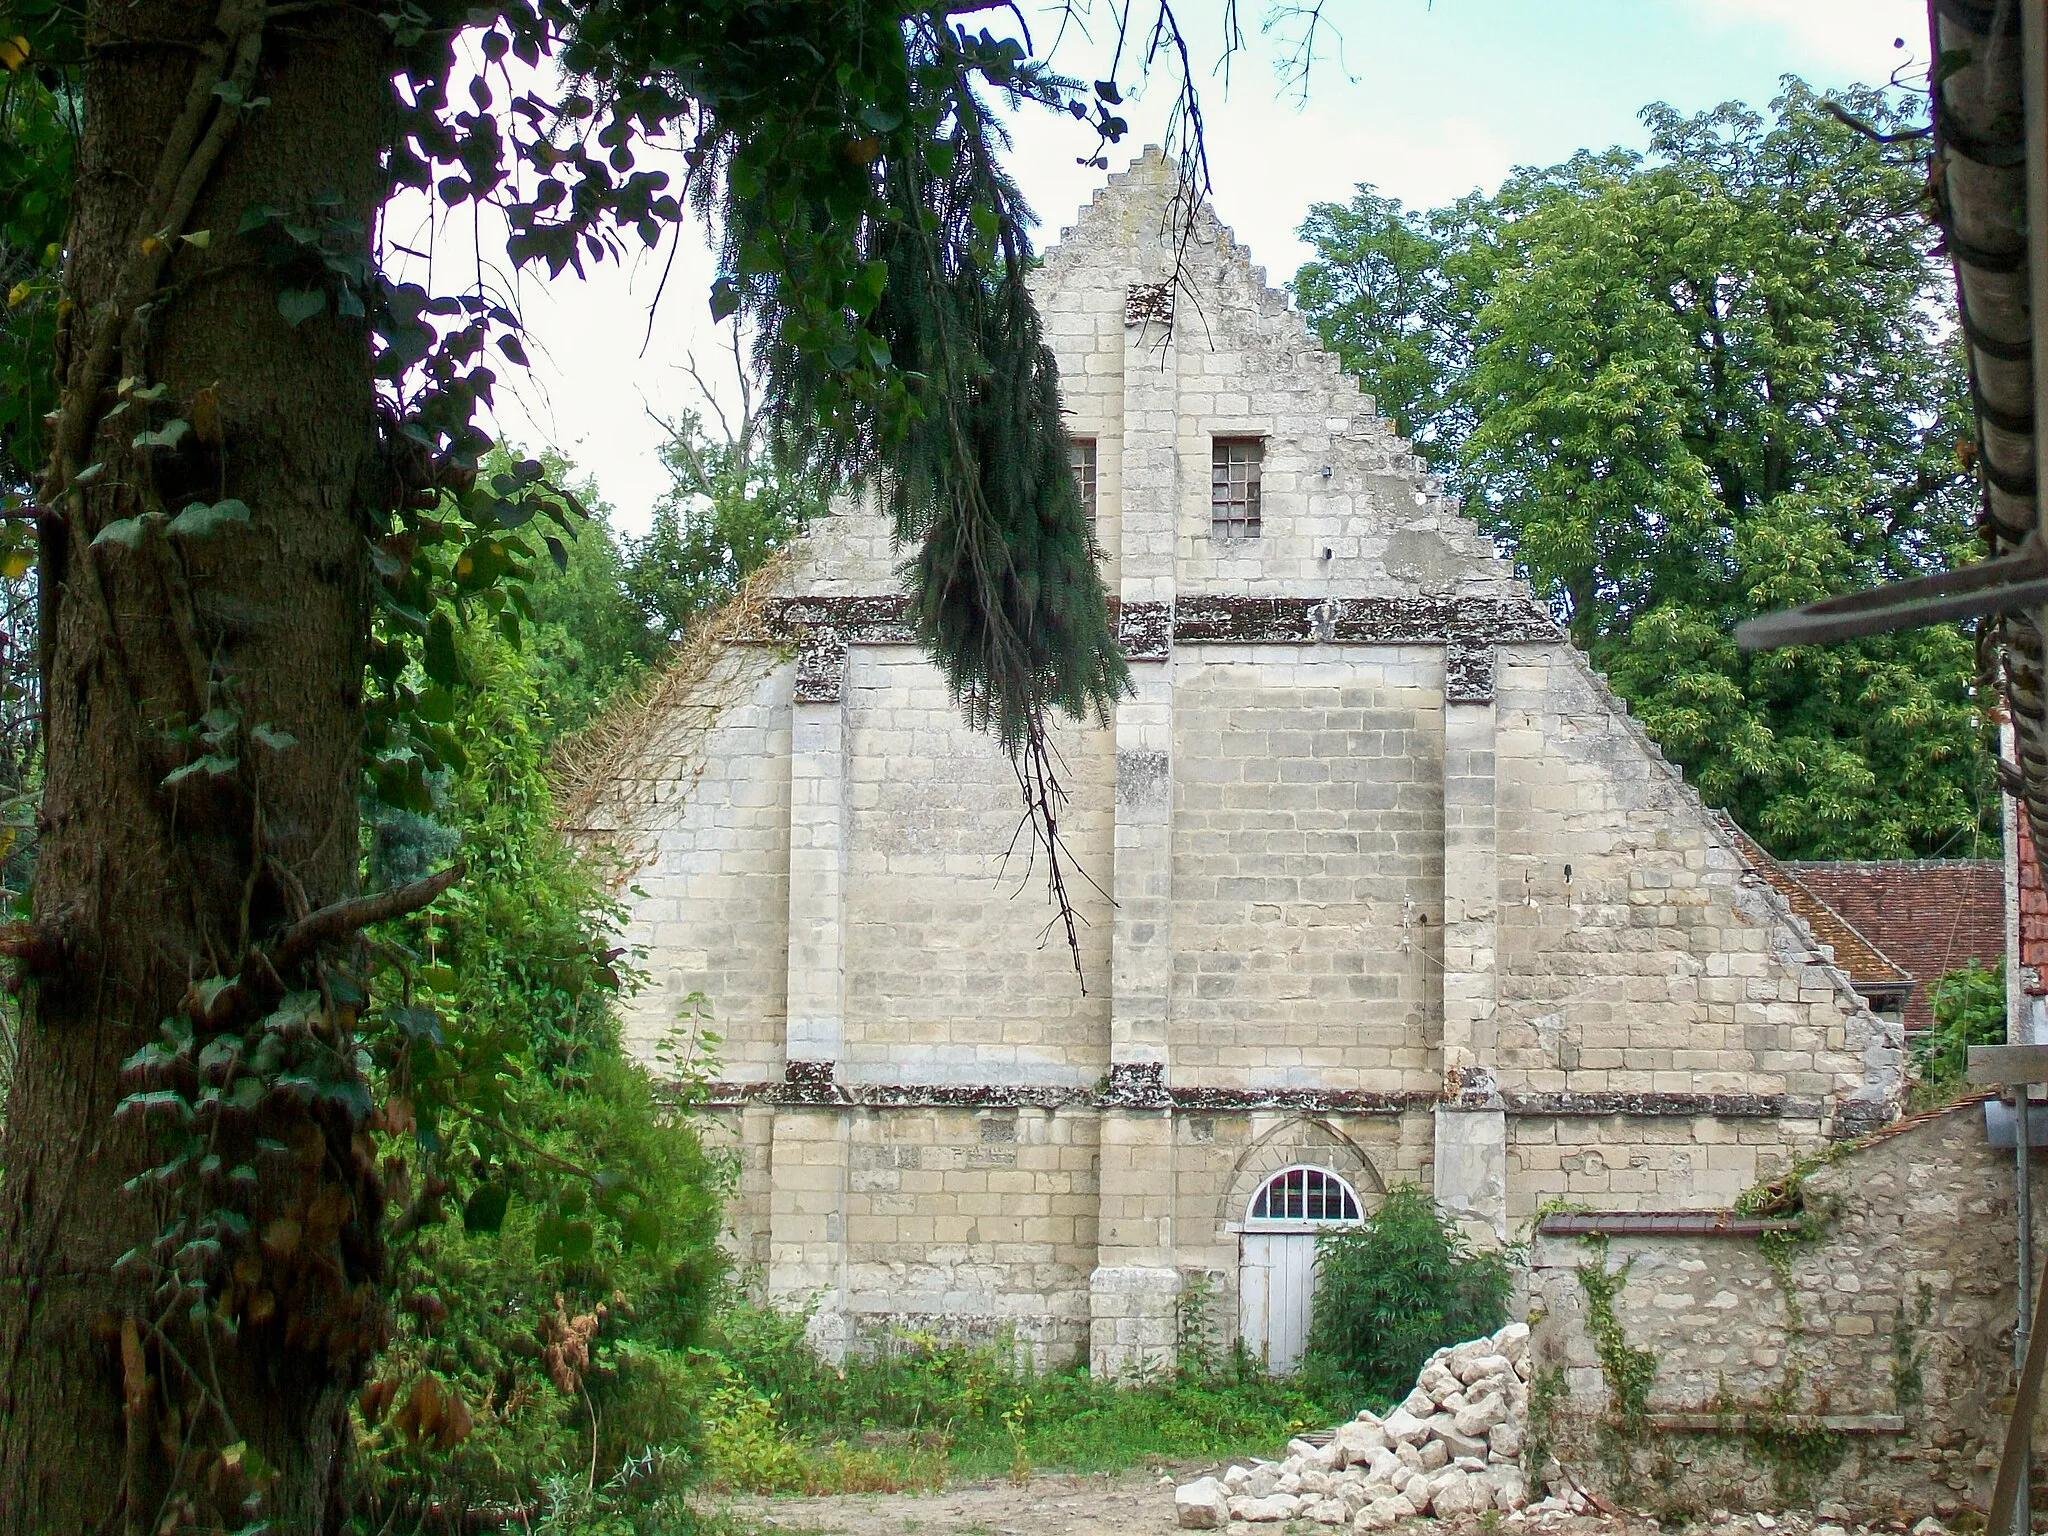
(1396, 1286)
(909, 1409)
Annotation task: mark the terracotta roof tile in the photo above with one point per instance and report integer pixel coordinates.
(1928, 915)
(2033, 912)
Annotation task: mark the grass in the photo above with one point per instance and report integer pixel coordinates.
(911, 1411)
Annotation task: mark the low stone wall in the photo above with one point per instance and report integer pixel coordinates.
(1863, 1353)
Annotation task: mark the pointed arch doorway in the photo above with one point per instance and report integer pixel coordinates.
(1276, 1272)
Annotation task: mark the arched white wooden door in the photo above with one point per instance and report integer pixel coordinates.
(1276, 1270)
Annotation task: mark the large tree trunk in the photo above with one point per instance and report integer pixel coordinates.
(115, 1407)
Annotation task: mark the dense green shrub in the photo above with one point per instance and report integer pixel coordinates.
(1969, 1009)
(1400, 1284)
(556, 1250)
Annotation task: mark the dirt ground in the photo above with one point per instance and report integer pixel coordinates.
(1110, 1504)
(1140, 1503)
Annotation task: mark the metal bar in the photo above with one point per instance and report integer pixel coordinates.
(2009, 584)
(2012, 1463)
(2023, 1201)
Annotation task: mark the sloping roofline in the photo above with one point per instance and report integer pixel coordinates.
(1874, 973)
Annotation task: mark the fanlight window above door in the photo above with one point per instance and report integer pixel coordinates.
(1304, 1194)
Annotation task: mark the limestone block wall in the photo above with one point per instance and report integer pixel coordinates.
(974, 1222)
(1395, 879)
(1663, 1162)
(1307, 866)
(1083, 311)
(1638, 958)
(952, 974)
(746, 1134)
(710, 826)
(1656, 965)
(1238, 361)
(1896, 1325)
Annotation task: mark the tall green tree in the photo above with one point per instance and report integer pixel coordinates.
(1691, 385)
(261, 520)
(588, 639)
(735, 497)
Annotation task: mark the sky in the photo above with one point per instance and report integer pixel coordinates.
(1425, 99)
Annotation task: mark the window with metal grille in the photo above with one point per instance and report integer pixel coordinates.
(1304, 1194)
(1234, 488)
(1081, 453)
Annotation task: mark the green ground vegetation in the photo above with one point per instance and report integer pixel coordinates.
(1969, 1009)
(909, 1410)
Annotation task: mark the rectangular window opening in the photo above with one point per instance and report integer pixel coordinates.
(1081, 454)
(1234, 488)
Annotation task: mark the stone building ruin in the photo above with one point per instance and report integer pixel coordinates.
(1380, 881)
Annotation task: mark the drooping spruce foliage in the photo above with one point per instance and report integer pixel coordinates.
(1400, 1284)
(1686, 386)
(878, 246)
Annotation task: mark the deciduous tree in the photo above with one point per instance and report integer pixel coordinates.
(1691, 385)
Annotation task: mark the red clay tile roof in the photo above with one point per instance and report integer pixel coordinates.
(1928, 915)
(1869, 967)
(2033, 912)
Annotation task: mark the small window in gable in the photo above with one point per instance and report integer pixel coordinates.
(1234, 488)
(1081, 453)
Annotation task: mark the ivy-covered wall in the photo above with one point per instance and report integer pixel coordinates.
(1860, 1350)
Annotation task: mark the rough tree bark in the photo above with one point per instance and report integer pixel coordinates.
(141, 889)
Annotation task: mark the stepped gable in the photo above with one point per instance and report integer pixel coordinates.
(1401, 547)
(1401, 534)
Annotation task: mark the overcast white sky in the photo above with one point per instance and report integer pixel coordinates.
(1428, 100)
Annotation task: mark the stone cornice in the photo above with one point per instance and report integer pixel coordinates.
(1720, 1106)
(1213, 620)
(809, 1085)
(821, 628)
(1360, 620)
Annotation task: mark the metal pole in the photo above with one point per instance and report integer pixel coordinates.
(2023, 1513)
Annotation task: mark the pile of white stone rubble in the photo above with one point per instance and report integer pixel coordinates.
(1452, 1447)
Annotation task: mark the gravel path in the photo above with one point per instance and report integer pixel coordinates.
(1136, 1503)
(1114, 1504)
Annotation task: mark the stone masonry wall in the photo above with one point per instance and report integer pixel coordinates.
(951, 975)
(1626, 1163)
(711, 912)
(1897, 1326)
(1244, 363)
(1307, 864)
(1336, 816)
